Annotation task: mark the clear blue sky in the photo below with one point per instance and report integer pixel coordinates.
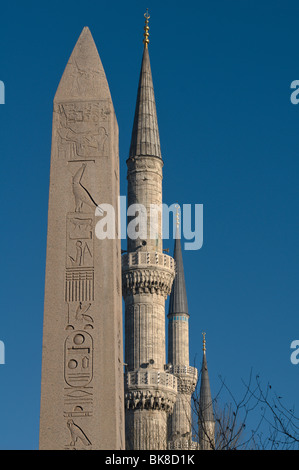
(229, 137)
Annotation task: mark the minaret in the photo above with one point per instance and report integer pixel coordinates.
(179, 426)
(206, 425)
(148, 274)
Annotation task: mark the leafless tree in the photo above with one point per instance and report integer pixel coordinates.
(258, 420)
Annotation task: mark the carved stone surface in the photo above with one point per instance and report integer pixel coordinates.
(146, 429)
(145, 272)
(145, 187)
(180, 422)
(82, 337)
(151, 377)
(150, 400)
(186, 378)
(183, 444)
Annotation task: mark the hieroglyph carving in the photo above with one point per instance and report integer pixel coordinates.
(78, 401)
(84, 164)
(79, 296)
(78, 359)
(79, 260)
(77, 435)
(81, 194)
(82, 130)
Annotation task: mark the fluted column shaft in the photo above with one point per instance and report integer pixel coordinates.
(145, 331)
(178, 339)
(148, 274)
(145, 188)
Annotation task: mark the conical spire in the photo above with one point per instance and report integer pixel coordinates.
(145, 139)
(205, 400)
(178, 297)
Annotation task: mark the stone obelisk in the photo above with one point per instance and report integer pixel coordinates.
(82, 396)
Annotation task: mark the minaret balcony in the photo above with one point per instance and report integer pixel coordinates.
(187, 377)
(147, 272)
(150, 389)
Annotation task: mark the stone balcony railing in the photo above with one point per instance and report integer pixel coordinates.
(186, 376)
(144, 258)
(182, 444)
(151, 378)
(180, 370)
(147, 272)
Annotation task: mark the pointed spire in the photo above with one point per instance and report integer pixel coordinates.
(178, 297)
(205, 399)
(145, 139)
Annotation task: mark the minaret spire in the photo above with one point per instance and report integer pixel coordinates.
(178, 298)
(148, 273)
(206, 406)
(206, 413)
(145, 139)
(178, 353)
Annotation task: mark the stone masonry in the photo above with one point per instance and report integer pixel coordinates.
(82, 391)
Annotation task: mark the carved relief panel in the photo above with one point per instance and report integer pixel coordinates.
(82, 130)
(78, 359)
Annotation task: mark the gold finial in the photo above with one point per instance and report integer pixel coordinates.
(204, 342)
(146, 29)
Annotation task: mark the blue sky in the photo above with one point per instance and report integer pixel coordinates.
(229, 135)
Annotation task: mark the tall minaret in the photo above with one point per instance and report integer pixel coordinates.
(148, 274)
(180, 426)
(206, 425)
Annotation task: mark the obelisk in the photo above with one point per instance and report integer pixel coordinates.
(82, 396)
